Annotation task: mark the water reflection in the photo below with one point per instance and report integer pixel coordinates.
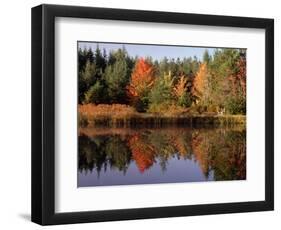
(166, 155)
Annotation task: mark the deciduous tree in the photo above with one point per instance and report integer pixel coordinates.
(142, 80)
(200, 82)
(181, 92)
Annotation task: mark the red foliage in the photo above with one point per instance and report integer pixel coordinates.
(241, 75)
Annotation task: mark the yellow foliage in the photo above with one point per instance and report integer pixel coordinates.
(199, 83)
(180, 87)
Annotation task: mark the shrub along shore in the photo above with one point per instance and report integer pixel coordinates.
(117, 116)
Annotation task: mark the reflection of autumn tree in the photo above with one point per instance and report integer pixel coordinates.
(200, 147)
(233, 164)
(182, 141)
(160, 145)
(142, 152)
(222, 151)
(174, 143)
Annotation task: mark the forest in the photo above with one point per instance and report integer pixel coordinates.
(115, 87)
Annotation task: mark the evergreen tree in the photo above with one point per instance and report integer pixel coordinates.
(86, 79)
(164, 66)
(162, 93)
(206, 57)
(116, 78)
(228, 80)
(95, 94)
(100, 62)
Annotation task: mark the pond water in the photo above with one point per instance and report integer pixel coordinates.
(160, 155)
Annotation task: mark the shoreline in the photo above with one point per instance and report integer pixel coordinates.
(156, 120)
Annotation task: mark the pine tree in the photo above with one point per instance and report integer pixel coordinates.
(116, 77)
(95, 94)
(162, 93)
(206, 57)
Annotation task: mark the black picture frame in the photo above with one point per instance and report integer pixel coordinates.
(43, 114)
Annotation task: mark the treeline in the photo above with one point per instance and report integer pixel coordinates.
(218, 83)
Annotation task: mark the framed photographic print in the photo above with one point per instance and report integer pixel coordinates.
(142, 114)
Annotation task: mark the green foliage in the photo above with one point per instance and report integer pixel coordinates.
(161, 93)
(86, 79)
(91, 69)
(163, 66)
(105, 79)
(117, 77)
(117, 153)
(184, 100)
(89, 73)
(95, 94)
(221, 152)
(102, 78)
(84, 56)
(206, 57)
(236, 104)
(142, 104)
(224, 92)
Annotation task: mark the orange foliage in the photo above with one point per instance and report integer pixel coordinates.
(142, 79)
(92, 110)
(214, 151)
(180, 87)
(200, 81)
(179, 144)
(142, 153)
(201, 152)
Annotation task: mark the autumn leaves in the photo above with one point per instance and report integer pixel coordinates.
(149, 92)
(214, 85)
(141, 83)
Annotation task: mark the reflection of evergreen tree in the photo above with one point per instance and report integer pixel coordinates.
(164, 148)
(91, 154)
(117, 153)
(100, 152)
(218, 152)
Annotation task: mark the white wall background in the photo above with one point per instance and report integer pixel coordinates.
(15, 118)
